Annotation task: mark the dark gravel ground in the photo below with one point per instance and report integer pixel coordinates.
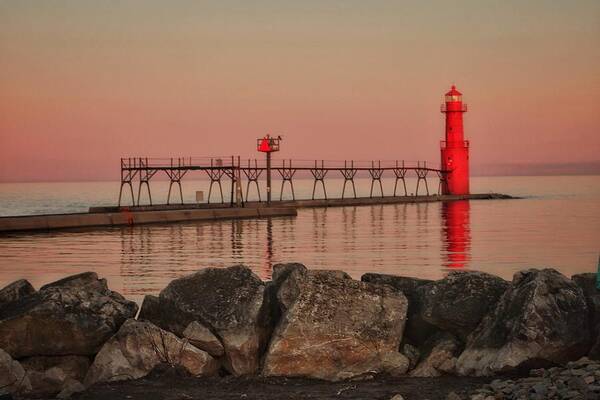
(170, 386)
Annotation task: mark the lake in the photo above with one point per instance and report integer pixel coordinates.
(556, 224)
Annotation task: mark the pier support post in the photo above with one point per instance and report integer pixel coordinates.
(129, 169)
(287, 174)
(146, 173)
(376, 173)
(349, 174)
(252, 174)
(175, 173)
(400, 173)
(319, 175)
(422, 176)
(443, 185)
(268, 178)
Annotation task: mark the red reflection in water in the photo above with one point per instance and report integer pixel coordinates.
(457, 233)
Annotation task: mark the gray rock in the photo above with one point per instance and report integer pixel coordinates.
(587, 283)
(541, 319)
(231, 302)
(481, 396)
(50, 375)
(150, 310)
(88, 280)
(541, 390)
(282, 270)
(70, 388)
(202, 338)
(74, 366)
(394, 364)
(138, 347)
(12, 376)
(16, 291)
(457, 303)
(73, 316)
(448, 366)
(283, 297)
(417, 330)
(412, 353)
(336, 328)
(439, 356)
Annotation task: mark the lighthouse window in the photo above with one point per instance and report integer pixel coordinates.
(453, 98)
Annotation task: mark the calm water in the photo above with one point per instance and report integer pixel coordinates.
(557, 224)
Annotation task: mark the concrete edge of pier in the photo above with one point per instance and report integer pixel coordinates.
(33, 223)
(369, 201)
(123, 216)
(309, 203)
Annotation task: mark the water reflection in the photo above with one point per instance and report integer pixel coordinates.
(422, 240)
(348, 224)
(397, 239)
(237, 245)
(268, 261)
(456, 236)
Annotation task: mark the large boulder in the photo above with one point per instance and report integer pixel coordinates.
(15, 291)
(51, 375)
(150, 309)
(13, 378)
(457, 303)
(73, 316)
(138, 347)
(541, 319)
(231, 303)
(587, 283)
(417, 329)
(334, 328)
(439, 356)
(201, 337)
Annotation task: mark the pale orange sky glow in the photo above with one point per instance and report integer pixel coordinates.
(83, 83)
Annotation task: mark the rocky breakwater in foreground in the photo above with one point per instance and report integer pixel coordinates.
(74, 333)
(577, 380)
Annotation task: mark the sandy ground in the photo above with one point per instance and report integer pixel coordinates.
(167, 385)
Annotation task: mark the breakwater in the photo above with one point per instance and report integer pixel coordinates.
(127, 216)
(76, 332)
(146, 214)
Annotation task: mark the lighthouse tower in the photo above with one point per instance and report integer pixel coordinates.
(455, 149)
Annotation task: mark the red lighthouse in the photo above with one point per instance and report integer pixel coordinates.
(455, 149)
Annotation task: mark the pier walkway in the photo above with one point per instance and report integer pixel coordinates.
(146, 214)
(231, 168)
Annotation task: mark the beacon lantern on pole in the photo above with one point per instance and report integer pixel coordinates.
(455, 149)
(268, 145)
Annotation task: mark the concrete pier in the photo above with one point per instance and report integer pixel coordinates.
(134, 217)
(308, 203)
(119, 216)
(369, 201)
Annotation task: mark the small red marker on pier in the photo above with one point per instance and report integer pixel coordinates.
(268, 145)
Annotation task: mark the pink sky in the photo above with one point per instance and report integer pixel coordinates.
(85, 83)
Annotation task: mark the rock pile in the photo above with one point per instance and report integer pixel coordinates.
(138, 347)
(577, 380)
(333, 327)
(541, 319)
(230, 303)
(48, 337)
(75, 332)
